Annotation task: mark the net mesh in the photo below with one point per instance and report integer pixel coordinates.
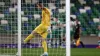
(8, 27)
(31, 18)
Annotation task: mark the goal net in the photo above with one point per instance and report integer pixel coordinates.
(8, 27)
(31, 18)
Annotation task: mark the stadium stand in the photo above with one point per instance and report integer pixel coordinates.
(88, 12)
(8, 17)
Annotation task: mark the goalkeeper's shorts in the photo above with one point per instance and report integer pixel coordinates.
(42, 30)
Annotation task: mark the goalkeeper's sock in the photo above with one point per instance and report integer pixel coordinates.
(44, 45)
(28, 38)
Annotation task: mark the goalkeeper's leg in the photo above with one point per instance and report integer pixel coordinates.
(30, 37)
(44, 45)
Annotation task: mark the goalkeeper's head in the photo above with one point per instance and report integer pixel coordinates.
(40, 5)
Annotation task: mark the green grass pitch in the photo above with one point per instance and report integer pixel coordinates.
(85, 52)
(53, 51)
(35, 51)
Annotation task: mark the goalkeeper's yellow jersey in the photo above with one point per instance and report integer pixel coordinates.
(45, 17)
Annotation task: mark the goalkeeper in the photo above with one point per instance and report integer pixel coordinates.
(42, 29)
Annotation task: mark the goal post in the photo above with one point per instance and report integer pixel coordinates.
(19, 27)
(68, 28)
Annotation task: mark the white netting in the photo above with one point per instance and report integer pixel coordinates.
(31, 17)
(8, 27)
